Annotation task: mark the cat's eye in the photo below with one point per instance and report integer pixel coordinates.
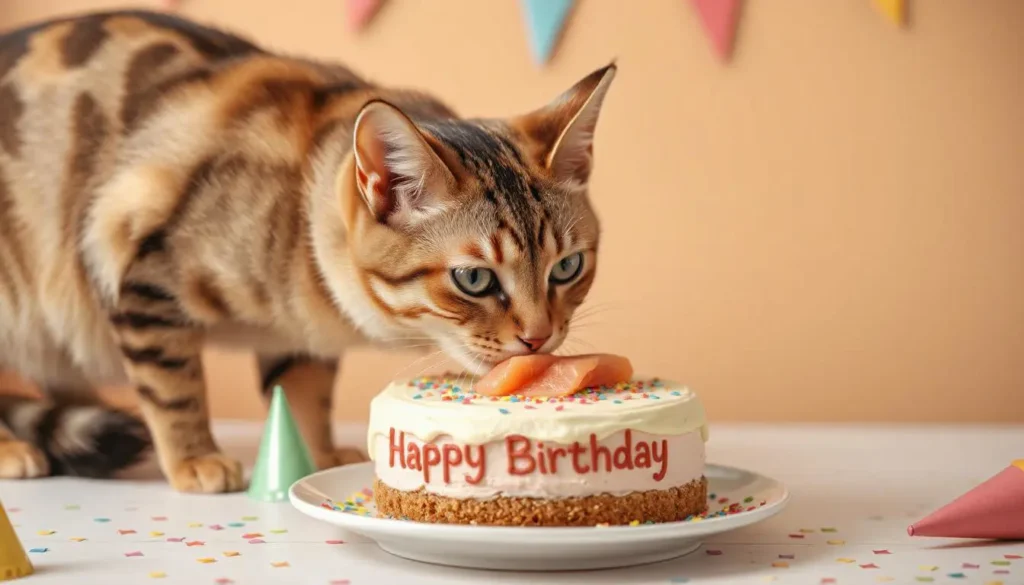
(567, 268)
(475, 282)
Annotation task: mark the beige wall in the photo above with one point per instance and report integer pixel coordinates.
(834, 224)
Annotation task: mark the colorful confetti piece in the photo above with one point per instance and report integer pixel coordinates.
(223, 581)
(46, 532)
(40, 549)
(236, 524)
(280, 564)
(250, 518)
(278, 531)
(77, 539)
(216, 527)
(123, 532)
(829, 529)
(807, 530)
(845, 560)
(869, 566)
(827, 580)
(1012, 557)
(182, 539)
(257, 541)
(1001, 572)
(157, 575)
(101, 520)
(969, 566)
(1001, 563)
(928, 568)
(882, 551)
(925, 579)
(956, 575)
(884, 579)
(780, 564)
(232, 553)
(195, 524)
(156, 533)
(790, 556)
(713, 552)
(195, 543)
(72, 507)
(835, 542)
(796, 536)
(335, 541)
(993, 583)
(249, 535)
(134, 553)
(158, 518)
(679, 580)
(206, 560)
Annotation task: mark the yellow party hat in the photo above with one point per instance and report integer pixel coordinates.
(13, 561)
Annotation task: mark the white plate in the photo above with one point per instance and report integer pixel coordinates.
(534, 548)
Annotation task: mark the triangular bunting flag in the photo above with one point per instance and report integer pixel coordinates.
(992, 510)
(544, 21)
(360, 12)
(894, 10)
(719, 18)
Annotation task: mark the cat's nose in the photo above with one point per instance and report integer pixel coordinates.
(534, 343)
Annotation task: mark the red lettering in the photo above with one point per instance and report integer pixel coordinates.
(623, 458)
(518, 447)
(452, 456)
(596, 451)
(479, 465)
(553, 454)
(576, 451)
(643, 455)
(541, 459)
(399, 448)
(662, 459)
(414, 457)
(431, 457)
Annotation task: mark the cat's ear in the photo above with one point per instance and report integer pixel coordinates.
(400, 177)
(564, 129)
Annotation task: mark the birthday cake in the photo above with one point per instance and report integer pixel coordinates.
(628, 453)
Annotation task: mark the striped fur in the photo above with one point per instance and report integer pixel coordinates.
(164, 185)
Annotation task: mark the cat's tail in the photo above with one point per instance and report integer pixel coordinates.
(81, 439)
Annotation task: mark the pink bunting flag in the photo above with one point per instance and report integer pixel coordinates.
(360, 12)
(719, 18)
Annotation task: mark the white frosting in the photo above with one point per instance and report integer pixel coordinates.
(541, 469)
(431, 407)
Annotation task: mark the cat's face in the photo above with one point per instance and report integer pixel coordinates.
(479, 234)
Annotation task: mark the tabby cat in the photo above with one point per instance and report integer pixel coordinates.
(164, 185)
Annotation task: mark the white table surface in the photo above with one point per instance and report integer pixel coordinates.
(854, 491)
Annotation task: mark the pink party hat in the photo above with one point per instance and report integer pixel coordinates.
(360, 12)
(994, 509)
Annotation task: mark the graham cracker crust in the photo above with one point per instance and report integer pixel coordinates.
(668, 505)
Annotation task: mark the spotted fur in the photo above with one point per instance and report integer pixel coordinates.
(166, 185)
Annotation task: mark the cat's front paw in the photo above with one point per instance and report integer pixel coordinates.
(215, 473)
(338, 457)
(20, 460)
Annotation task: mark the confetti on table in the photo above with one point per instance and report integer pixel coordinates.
(335, 541)
(123, 532)
(206, 560)
(77, 539)
(925, 579)
(993, 583)
(101, 519)
(223, 581)
(134, 553)
(790, 556)
(280, 564)
(956, 575)
(278, 531)
(231, 553)
(216, 527)
(835, 542)
(156, 533)
(713, 552)
(250, 518)
(827, 580)
(236, 524)
(249, 535)
(883, 551)
(969, 566)
(928, 568)
(72, 507)
(46, 532)
(673, 580)
(807, 530)
(347, 582)
(845, 560)
(195, 543)
(1001, 572)
(796, 535)
(257, 541)
(829, 529)
(884, 579)
(1001, 563)
(869, 566)
(780, 565)
(1012, 557)
(41, 549)
(158, 518)
(195, 525)
(157, 575)
(182, 539)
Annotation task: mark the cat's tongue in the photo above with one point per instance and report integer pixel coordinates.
(552, 376)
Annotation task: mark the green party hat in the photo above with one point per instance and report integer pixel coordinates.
(283, 458)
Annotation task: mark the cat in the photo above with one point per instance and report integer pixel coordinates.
(165, 185)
